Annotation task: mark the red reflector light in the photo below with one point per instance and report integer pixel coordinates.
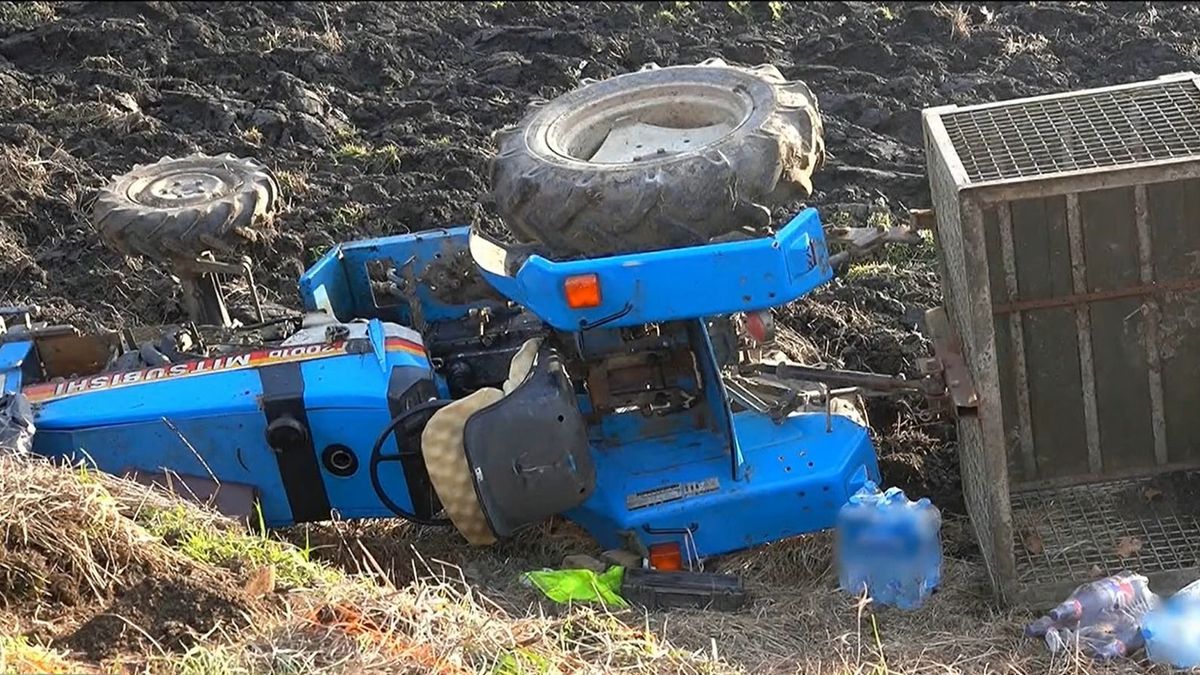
(761, 326)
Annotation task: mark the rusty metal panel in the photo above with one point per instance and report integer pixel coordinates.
(1174, 220)
(1048, 378)
(1118, 330)
(1021, 462)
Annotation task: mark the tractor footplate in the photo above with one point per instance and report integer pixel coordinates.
(794, 476)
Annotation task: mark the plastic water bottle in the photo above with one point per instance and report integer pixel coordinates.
(1101, 619)
(889, 547)
(853, 521)
(1109, 637)
(1121, 591)
(1172, 632)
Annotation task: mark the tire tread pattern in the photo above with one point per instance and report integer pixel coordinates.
(166, 233)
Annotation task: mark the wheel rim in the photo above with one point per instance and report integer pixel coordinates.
(183, 187)
(649, 123)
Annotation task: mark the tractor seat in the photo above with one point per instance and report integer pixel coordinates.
(500, 459)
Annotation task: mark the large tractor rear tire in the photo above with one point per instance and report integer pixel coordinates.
(660, 158)
(178, 208)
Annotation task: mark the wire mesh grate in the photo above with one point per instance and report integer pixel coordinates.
(1085, 131)
(1081, 532)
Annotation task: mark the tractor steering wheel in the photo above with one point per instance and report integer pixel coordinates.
(408, 422)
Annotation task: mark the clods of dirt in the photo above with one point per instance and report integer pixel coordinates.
(79, 570)
(378, 118)
(165, 613)
(28, 576)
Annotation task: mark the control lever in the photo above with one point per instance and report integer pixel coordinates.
(777, 390)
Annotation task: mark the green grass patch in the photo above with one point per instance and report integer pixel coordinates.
(924, 252)
(345, 133)
(352, 150)
(349, 215)
(382, 159)
(207, 659)
(234, 548)
(869, 270)
(523, 661)
(293, 182)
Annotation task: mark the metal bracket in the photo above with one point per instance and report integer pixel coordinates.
(778, 390)
(949, 359)
(862, 241)
(865, 382)
(22, 313)
(774, 400)
(922, 219)
(203, 296)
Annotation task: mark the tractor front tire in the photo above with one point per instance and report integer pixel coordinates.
(179, 208)
(659, 158)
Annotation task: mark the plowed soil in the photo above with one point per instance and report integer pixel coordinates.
(377, 118)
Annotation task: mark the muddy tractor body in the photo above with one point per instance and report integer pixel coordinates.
(621, 418)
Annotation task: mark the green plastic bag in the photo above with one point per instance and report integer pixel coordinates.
(581, 585)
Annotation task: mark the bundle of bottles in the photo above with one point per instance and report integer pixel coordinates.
(1118, 615)
(889, 547)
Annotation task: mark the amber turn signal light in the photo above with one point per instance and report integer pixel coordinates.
(666, 557)
(583, 291)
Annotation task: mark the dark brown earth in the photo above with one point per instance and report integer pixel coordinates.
(161, 613)
(377, 118)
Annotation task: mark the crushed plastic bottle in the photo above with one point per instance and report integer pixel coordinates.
(889, 547)
(1122, 591)
(1110, 636)
(1172, 632)
(1102, 618)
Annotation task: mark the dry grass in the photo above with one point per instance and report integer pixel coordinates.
(960, 21)
(27, 14)
(94, 534)
(19, 166)
(1025, 44)
(798, 622)
(293, 182)
(441, 624)
(36, 171)
(326, 38)
(392, 598)
(18, 655)
(253, 136)
(72, 516)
